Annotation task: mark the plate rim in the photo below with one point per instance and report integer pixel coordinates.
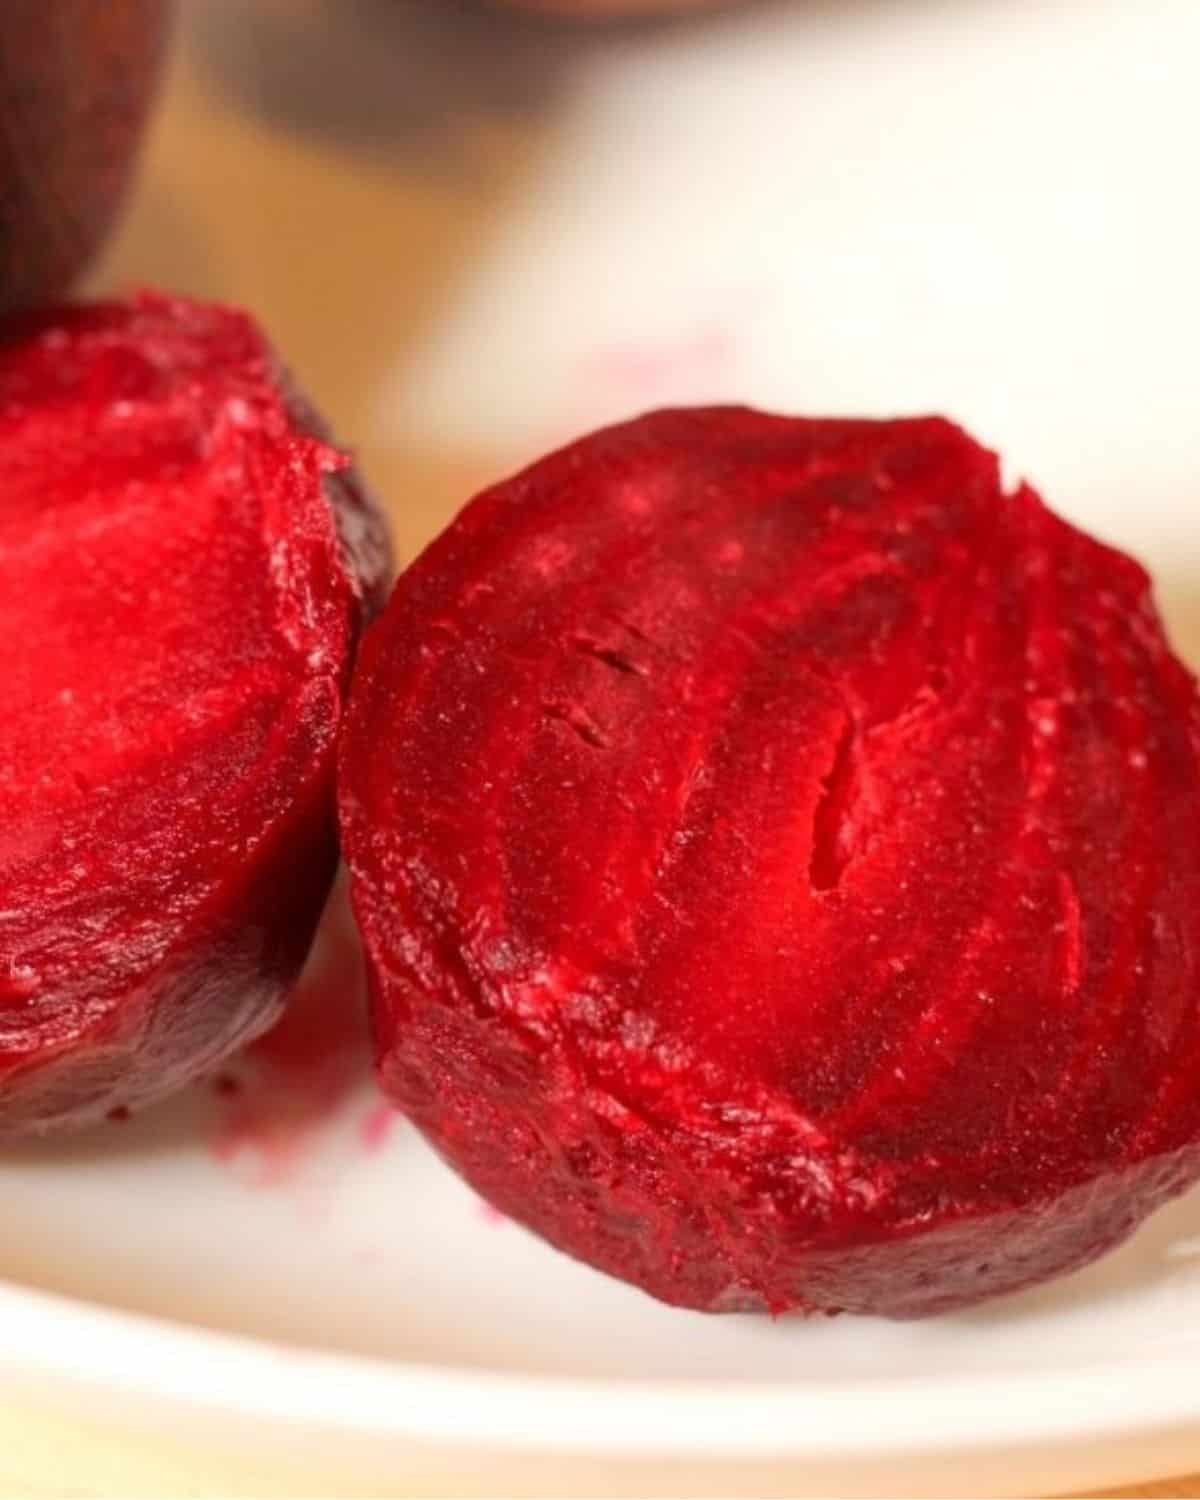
(179, 1366)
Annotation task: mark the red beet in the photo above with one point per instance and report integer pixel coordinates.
(76, 81)
(595, 9)
(774, 847)
(185, 569)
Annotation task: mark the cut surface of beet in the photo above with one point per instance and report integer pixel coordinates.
(774, 846)
(184, 569)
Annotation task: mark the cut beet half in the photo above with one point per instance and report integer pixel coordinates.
(774, 845)
(184, 570)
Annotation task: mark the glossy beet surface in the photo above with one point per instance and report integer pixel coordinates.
(76, 81)
(775, 849)
(179, 610)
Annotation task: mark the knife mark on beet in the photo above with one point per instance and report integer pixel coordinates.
(832, 831)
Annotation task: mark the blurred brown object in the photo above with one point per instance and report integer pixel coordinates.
(594, 9)
(76, 81)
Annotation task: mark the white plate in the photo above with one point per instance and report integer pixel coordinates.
(967, 206)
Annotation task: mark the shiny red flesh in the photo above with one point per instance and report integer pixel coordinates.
(775, 848)
(178, 613)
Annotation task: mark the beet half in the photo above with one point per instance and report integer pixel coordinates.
(184, 569)
(774, 846)
(76, 82)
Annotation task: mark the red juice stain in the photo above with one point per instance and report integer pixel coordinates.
(294, 1080)
(647, 372)
(377, 1125)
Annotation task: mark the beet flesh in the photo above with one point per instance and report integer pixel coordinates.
(185, 571)
(774, 849)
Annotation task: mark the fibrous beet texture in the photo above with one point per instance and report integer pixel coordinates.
(184, 569)
(775, 848)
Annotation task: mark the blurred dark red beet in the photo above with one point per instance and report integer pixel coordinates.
(76, 81)
(775, 850)
(186, 569)
(591, 10)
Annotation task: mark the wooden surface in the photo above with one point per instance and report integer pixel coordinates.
(309, 210)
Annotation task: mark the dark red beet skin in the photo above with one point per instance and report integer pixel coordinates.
(185, 567)
(774, 847)
(77, 78)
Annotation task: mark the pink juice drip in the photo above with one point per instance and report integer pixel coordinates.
(292, 1082)
(653, 372)
(377, 1126)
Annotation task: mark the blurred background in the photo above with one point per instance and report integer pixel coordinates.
(476, 230)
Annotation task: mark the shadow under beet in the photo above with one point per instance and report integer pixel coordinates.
(266, 1099)
(1166, 1246)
